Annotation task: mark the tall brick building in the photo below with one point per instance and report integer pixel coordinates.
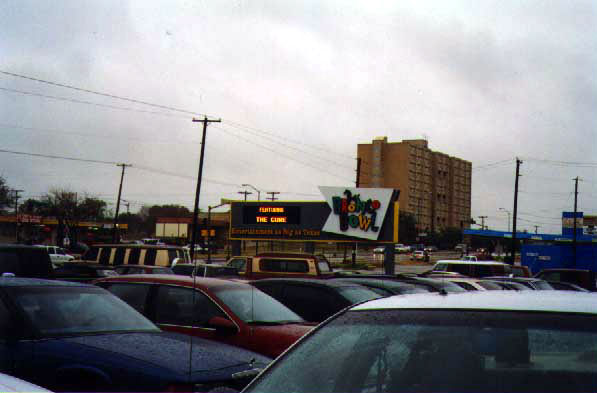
(433, 186)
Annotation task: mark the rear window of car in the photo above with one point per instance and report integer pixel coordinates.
(283, 265)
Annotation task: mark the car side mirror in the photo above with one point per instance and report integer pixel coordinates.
(222, 325)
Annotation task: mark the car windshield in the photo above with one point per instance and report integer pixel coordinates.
(441, 351)
(542, 285)
(66, 311)
(253, 306)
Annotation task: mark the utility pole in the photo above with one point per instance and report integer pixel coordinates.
(575, 210)
(245, 193)
(205, 121)
(482, 221)
(513, 246)
(358, 182)
(536, 228)
(273, 195)
(17, 214)
(115, 236)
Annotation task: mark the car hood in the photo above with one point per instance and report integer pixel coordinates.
(171, 351)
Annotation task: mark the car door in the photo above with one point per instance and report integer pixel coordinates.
(187, 311)
(6, 349)
(15, 354)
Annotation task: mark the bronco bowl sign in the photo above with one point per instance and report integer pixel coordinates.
(356, 212)
(347, 215)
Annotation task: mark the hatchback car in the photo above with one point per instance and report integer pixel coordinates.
(312, 299)
(472, 342)
(75, 337)
(232, 312)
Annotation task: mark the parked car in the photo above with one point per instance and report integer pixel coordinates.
(136, 254)
(472, 284)
(77, 337)
(83, 272)
(401, 248)
(515, 342)
(431, 284)
(10, 384)
(460, 247)
(379, 250)
(142, 269)
(520, 271)
(232, 312)
(314, 300)
(286, 264)
(473, 269)
(532, 283)
(430, 248)
(566, 286)
(583, 278)
(204, 270)
(385, 287)
(469, 258)
(25, 261)
(58, 255)
(419, 256)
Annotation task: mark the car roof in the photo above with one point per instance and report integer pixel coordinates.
(461, 262)
(310, 281)
(200, 282)
(88, 264)
(133, 245)
(37, 282)
(141, 266)
(533, 301)
(377, 282)
(285, 255)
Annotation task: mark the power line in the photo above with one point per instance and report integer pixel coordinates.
(283, 155)
(104, 94)
(90, 103)
(59, 157)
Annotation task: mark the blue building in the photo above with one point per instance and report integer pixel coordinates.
(545, 251)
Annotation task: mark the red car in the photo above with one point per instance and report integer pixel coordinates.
(232, 312)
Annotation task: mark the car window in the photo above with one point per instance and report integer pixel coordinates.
(134, 255)
(135, 295)
(59, 311)
(185, 307)
(283, 265)
(184, 270)
(104, 257)
(459, 268)
(135, 270)
(253, 305)
(172, 255)
(164, 270)
(9, 262)
(119, 256)
(357, 294)
(91, 254)
(311, 303)
(238, 263)
(150, 255)
(121, 270)
(324, 267)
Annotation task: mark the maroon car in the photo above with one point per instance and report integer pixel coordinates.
(229, 311)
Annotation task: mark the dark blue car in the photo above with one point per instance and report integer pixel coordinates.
(78, 337)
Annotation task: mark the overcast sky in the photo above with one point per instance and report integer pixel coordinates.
(298, 84)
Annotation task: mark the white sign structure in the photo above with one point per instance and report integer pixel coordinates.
(356, 212)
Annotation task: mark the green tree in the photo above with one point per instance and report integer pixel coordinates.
(6, 199)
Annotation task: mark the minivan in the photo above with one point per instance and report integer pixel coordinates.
(473, 269)
(135, 254)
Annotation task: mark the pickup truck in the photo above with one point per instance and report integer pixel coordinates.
(281, 264)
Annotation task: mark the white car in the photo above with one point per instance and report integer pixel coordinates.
(12, 384)
(57, 255)
(402, 248)
(485, 341)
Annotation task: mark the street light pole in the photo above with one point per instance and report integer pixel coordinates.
(508, 213)
(258, 199)
(209, 230)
